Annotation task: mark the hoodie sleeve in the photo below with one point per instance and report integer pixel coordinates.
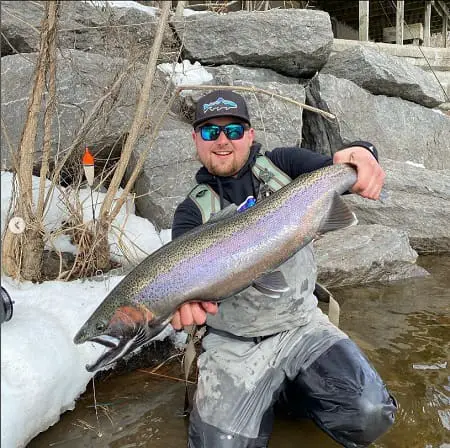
(296, 161)
(186, 217)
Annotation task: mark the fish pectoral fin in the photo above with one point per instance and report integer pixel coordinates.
(338, 217)
(228, 211)
(272, 284)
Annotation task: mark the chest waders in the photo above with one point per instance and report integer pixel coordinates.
(208, 202)
(270, 176)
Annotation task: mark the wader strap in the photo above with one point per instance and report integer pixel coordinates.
(323, 295)
(195, 333)
(206, 199)
(225, 334)
(269, 174)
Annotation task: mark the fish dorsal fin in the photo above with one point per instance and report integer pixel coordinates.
(229, 210)
(339, 216)
(272, 284)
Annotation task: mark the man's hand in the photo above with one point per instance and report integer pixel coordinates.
(370, 174)
(193, 313)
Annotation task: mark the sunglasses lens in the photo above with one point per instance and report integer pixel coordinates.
(234, 131)
(210, 132)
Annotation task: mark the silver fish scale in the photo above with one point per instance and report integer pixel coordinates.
(161, 283)
(194, 243)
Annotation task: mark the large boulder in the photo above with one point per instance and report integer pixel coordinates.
(296, 42)
(382, 74)
(400, 129)
(82, 79)
(227, 75)
(168, 172)
(418, 203)
(364, 254)
(110, 31)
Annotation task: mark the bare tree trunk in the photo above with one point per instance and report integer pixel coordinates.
(22, 253)
(32, 252)
(135, 131)
(51, 105)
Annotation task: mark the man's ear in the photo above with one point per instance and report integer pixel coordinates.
(194, 135)
(251, 134)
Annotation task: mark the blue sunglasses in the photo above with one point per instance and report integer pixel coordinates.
(211, 132)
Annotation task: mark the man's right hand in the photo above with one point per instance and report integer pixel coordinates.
(193, 313)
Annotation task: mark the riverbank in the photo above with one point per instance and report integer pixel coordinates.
(401, 326)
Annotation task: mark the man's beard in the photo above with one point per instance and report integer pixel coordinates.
(223, 171)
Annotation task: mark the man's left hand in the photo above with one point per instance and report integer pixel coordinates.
(370, 174)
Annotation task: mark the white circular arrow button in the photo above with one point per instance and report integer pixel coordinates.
(16, 225)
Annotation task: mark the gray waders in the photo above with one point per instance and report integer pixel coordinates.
(309, 367)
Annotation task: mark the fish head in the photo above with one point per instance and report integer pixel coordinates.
(129, 327)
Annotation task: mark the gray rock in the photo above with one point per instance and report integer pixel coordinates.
(295, 42)
(82, 78)
(401, 130)
(418, 203)
(20, 26)
(115, 32)
(227, 75)
(382, 74)
(168, 172)
(364, 254)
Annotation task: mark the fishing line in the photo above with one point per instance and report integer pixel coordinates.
(93, 208)
(99, 433)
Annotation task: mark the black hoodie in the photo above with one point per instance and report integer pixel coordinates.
(293, 161)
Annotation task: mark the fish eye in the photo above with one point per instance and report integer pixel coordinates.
(100, 326)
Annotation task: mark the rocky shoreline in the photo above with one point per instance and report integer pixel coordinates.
(375, 97)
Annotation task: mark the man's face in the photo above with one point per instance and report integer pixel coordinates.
(223, 157)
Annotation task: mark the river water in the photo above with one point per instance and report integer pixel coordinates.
(403, 327)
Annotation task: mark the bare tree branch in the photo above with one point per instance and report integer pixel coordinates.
(114, 89)
(51, 104)
(141, 159)
(28, 140)
(265, 92)
(139, 116)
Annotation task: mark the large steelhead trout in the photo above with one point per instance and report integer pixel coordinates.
(218, 259)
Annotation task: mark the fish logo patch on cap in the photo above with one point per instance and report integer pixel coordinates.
(219, 104)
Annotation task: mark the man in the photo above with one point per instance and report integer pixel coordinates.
(260, 351)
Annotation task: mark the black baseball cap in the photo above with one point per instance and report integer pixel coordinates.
(220, 103)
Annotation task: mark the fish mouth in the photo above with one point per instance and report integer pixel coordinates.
(106, 340)
(124, 345)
